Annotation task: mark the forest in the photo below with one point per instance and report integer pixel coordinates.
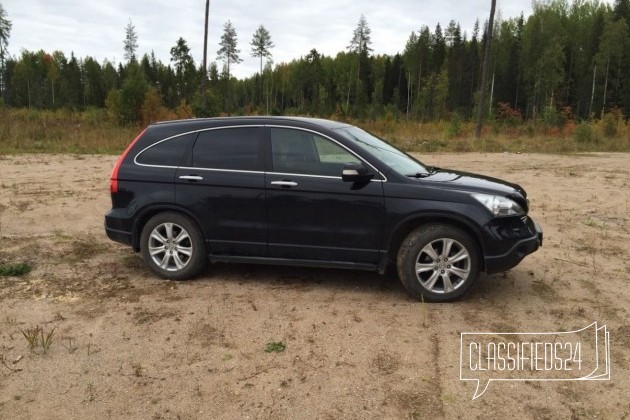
(565, 61)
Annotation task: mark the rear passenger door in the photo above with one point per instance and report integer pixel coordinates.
(223, 185)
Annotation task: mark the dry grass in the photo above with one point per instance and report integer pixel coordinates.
(91, 131)
(456, 136)
(61, 131)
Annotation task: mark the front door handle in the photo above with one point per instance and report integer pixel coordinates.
(284, 184)
(191, 177)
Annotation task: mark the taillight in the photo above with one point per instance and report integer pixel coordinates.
(113, 179)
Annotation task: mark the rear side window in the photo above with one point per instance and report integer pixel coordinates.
(229, 148)
(166, 153)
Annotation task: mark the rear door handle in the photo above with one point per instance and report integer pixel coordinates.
(191, 177)
(284, 184)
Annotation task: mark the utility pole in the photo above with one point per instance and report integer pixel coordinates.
(204, 76)
(484, 70)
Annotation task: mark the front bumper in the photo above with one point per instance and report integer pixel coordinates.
(518, 251)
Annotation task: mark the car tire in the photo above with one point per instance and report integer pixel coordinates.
(438, 262)
(173, 247)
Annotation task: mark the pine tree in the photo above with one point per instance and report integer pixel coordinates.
(261, 44)
(622, 13)
(184, 69)
(622, 9)
(229, 53)
(544, 40)
(360, 45)
(134, 88)
(411, 59)
(438, 49)
(613, 43)
(5, 32)
(261, 47)
(130, 44)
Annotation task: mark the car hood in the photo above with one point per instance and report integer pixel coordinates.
(467, 181)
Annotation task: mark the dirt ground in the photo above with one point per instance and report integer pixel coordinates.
(126, 344)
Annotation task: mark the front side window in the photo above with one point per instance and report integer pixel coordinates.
(302, 152)
(229, 148)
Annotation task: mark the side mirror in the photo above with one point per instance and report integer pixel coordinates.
(355, 172)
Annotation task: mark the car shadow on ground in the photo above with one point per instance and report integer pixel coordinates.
(501, 287)
(306, 278)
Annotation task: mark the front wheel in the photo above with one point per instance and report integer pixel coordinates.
(438, 262)
(172, 246)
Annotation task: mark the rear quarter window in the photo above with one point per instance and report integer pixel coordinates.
(167, 152)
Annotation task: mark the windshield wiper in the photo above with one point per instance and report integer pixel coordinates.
(419, 175)
(430, 171)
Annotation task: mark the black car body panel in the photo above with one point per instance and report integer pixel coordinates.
(230, 209)
(239, 180)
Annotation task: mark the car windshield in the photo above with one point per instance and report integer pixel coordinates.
(399, 161)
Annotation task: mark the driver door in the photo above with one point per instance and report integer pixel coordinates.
(312, 213)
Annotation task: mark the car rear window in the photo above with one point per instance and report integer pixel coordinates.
(229, 148)
(167, 152)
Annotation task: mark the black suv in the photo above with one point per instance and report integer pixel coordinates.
(311, 192)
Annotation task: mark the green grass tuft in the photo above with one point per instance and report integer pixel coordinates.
(14, 269)
(275, 347)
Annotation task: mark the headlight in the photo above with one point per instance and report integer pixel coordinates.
(499, 206)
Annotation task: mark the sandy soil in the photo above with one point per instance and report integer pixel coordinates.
(126, 344)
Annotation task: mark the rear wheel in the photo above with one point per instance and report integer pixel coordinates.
(438, 262)
(172, 246)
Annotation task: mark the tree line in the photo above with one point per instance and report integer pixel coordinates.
(565, 59)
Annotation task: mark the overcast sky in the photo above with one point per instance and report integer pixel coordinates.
(97, 28)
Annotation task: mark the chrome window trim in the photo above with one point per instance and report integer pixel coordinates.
(135, 159)
(315, 176)
(304, 175)
(221, 170)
